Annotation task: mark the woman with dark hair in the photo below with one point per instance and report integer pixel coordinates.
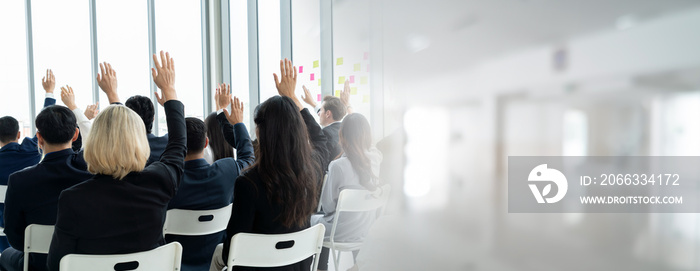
(279, 192)
(218, 148)
(357, 168)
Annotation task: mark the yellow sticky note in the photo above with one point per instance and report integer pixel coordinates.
(341, 80)
(363, 80)
(365, 99)
(339, 61)
(353, 91)
(337, 93)
(319, 82)
(357, 67)
(316, 64)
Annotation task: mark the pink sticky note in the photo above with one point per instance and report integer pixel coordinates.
(352, 79)
(367, 67)
(319, 97)
(312, 77)
(301, 69)
(366, 55)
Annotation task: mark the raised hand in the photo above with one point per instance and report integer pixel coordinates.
(48, 81)
(68, 97)
(222, 96)
(236, 114)
(92, 110)
(345, 96)
(164, 77)
(307, 97)
(107, 80)
(287, 81)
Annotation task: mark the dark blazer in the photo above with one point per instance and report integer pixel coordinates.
(157, 144)
(207, 187)
(254, 212)
(333, 144)
(32, 196)
(104, 215)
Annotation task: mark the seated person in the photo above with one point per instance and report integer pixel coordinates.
(208, 187)
(357, 168)
(330, 112)
(32, 194)
(122, 208)
(278, 193)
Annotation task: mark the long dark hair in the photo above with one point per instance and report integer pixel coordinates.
(356, 138)
(284, 160)
(219, 147)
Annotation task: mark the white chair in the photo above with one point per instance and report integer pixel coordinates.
(163, 258)
(196, 222)
(323, 186)
(37, 239)
(3, 192)
(354, 200)
(272, 250)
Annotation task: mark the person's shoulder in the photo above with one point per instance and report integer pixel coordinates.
(25, 175)
(340, 163)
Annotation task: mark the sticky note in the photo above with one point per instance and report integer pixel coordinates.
(341, 80)
(352, 79)
(365, 99)
(319, 82)
(353, 91)
(339, 61)
(312, 77)
(366, 55)
(301, 69)
(315, 63)
(367, 67)
(337, 93)
(363, 80)
(357, 67)
(318, 98)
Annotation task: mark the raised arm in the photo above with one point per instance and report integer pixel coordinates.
(48, 82)
(68, 98)
(345, 97)
(107, 80)
(237, 131)
(286, 83)
(308, 99)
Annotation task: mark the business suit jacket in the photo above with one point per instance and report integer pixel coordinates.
(157, 144)
(207, 187)
(333, 144)
(254, 212)
(32, 196)
(104, 215)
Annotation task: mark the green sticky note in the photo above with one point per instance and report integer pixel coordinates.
(357, 67)
(339, 61)
(337, 93)
(353, 91)
(316, 64)
(341, 80)
(319, 82)
(365, 99)
(363, 80)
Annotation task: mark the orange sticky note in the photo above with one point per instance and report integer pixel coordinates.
(357, 67)
(341, 80)
(353, 91)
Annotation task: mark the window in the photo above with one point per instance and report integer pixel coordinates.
(62, 43)
(269, 47)
(306, 46)
(124, 44)
(13, 65)
(179, 32)
(240, 79)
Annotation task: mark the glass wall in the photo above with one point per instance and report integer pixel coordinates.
(269, 46)
(240, 85)
(306, 46)
(13, 65)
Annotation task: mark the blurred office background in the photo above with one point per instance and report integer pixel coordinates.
(453, 88)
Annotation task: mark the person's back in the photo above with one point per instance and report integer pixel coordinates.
(143, 106)
(208, 187)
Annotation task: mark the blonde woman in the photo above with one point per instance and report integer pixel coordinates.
(122, 208)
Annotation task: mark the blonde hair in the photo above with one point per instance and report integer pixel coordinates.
(117, 143)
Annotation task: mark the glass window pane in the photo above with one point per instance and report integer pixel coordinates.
(124, 44)
(13, 65)
(239, 55)
(269, 46)
(179, 31)
(351, 30)
(62, 43)
(306, 45)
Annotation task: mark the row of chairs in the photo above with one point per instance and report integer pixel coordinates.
(255, 250)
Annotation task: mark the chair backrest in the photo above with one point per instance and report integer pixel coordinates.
(163, 258)
(359, 200)
(271, 250)
(3, 192)
(37, 239)
(323, 187)
(196, 222)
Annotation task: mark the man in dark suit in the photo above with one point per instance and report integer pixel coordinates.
(208, 187)
(15, 156)
(330, 112)
(32, 194)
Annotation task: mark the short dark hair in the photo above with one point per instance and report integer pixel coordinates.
(333, 104)
(196, 135)
(56, 124)
(9, 127)
(143, 106)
